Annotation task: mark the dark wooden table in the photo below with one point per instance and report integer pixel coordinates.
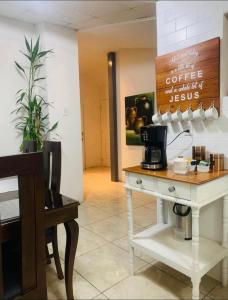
(64, 211)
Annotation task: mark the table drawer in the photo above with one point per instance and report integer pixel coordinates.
(175, 189)
(142, 182)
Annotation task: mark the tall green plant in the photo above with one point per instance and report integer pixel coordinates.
(32, 109)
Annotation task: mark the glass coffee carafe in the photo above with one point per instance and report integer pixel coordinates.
(152, 155)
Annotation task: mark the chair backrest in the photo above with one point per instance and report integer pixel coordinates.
(29, 146)
(1, 269)
(52, 165)
(29, 170)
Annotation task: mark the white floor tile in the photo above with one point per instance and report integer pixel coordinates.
(207, 283)
(82, 289)
(101, 297)
(123, 243)
(110, 229)
(105, 266)
(219, 292)
(151, 283)
(142, 216)
(88, 214)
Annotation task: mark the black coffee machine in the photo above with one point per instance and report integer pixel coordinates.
(154, 137)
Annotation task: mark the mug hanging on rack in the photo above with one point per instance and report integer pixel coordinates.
(157, 118)
(167, 116)
(187, 115)
(177, 115)
(211, 113)
(199, 113)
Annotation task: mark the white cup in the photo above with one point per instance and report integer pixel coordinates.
(211, 113)
(157, 118)
(177, 116)
(199, 114)
(167, 117)
(187, 115)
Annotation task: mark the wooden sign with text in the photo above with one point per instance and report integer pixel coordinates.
(189, 77)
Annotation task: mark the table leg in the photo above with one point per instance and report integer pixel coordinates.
(225, 240)
(225, 271)
(72, 231)
(130, 229)
(195, 254)
(160, 211)
(195, 289)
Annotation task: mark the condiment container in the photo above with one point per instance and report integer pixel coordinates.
(217, 161)
(193, 165)
(180, 165)
(199, 153)
(203, 169)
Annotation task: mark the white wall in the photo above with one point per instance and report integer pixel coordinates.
(135, 75)
(11, 42)
(62, 89)
(62, 84)
(181, 24)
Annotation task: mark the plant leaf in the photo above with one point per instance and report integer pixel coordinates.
(16, 110)
(53, 127)
(35, 49)
(27, 45)
(40, 78)
(43, 100)
(26, 55)
(43, 53)
(21, 97)
(25, 106)
(38, 66)
(19, 67)
(44, 118)
(19, 91)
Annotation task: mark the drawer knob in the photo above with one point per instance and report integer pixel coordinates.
(171, 189)
(139, 181)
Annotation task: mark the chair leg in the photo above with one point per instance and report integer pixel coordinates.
(47, 255)
(1, 270)
(56, 254)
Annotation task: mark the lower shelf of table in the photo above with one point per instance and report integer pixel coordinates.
(159, 242)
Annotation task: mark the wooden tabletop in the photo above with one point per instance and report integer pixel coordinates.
(191, 177)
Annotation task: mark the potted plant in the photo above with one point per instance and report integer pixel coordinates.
(32, 117)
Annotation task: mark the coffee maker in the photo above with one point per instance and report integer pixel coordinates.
(154, 137)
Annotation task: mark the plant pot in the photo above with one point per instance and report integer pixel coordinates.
(29, 146)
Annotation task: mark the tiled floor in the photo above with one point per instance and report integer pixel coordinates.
(102, 265)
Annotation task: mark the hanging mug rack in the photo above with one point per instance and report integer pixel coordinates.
(186, 113)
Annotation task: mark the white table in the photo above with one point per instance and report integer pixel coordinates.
(193, 258)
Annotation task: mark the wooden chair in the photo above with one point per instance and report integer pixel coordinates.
(52, 176)
(22, 267)
(52, 172)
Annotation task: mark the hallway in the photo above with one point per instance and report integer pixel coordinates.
(102, 265)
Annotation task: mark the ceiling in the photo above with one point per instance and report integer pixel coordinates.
(78, 14)
(95, 43)
(103, 26)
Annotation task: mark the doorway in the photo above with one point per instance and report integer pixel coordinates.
(93, 68)
(95, 124)
(134, 46)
